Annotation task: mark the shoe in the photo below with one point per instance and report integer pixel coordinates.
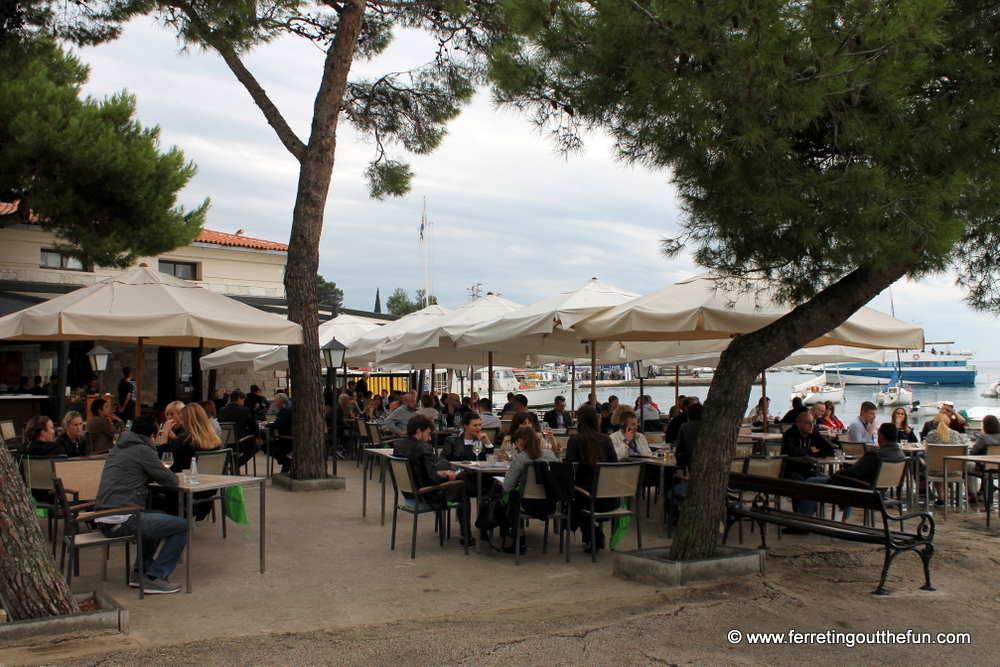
(133, 579)
(939, 503)
(794, 531)
(588, 550)
(160, 587)
(341, 455)
(510, 549)
(472, 543)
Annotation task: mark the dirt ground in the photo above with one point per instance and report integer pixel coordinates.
(333, 593)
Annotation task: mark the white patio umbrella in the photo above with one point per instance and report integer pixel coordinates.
(236, 356)
(698, 309)
(363, 351)
(146, 306)
(345, 328)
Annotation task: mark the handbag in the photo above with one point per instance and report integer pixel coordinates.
(234, 504)
(493, 512)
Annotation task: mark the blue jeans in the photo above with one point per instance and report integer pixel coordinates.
(808, 507)
(172, 530)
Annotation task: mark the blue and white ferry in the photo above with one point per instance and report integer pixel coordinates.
(932, 365)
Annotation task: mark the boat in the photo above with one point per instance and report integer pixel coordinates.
(927, 366)
(927, 409)
(993, 389)
(894, 393)
(540, 393)
(702, 372)
(818, 390)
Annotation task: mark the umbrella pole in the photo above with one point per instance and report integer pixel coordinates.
(198, 375)
(677, 387)
(433, 375)
(489, 382)
(213, 377)
(139, 358)
(572, 388)
(63, 375)
(763, 392)
(472, 381)
(642, 392)
(593, 370)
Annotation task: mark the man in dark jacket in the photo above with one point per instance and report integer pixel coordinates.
(281, 447)
(558, 417)
(415, 447)
(804, 441)
(132, 464)
(243, 425)
(458, 447)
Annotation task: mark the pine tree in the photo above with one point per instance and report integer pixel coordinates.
(378, 301)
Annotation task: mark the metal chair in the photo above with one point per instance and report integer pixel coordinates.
(404, 482)
(612, 480)
(213, 462)
(935, 467)
(889, 476)
(75, 537)
(37, 474)
(80, 477)
(851, 448)
(532, 489)
(9, 434)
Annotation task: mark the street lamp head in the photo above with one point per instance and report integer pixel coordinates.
(333, 353)
(99, 358)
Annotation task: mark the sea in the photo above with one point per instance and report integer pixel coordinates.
(779, 389)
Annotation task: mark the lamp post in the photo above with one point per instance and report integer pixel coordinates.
(333, 356)
(99, 363)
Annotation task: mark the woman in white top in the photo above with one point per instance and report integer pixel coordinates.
(427, 408)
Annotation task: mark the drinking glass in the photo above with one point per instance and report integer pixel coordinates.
(167, 460)
(477, 448)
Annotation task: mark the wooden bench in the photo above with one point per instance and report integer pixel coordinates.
(919, 538)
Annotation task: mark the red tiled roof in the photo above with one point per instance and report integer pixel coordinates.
(11, 209)
(221, 238)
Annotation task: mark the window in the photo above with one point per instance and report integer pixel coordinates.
(184, 270)
(53, 259)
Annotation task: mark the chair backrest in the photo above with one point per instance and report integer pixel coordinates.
(213, 462)
(37, 472)
(765, 467)
(785, 427)
(402, 478)
(935, 456)
(228, 433)
(563, 440)
(572, 430)
(82, 476)
(7, 430)
(504, 425)
(746, 430)
(531, 488)
(492, 433)
(993, 450)
(270, 418)
(889, 475)
(654, 438)
(617, 480)
(773, 449)
(744, 449)
(737, 465)
(852, 448)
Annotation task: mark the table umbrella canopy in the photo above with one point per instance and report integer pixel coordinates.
(345, 328)
(700, 308)
(236, 356)
(364, 350)
(147, 304)
(685, 354)
(545, 328)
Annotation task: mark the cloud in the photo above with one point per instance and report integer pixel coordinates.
(507, 210)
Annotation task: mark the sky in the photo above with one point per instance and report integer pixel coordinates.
(507, 211)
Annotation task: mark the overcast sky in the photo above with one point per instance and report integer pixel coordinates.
(507, 211)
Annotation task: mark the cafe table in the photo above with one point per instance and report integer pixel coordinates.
(481, 468)
(368, 457)
(991, 467)
(213, 483)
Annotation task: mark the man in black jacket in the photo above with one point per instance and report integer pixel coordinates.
(804, 441)
(458, 447)
(558, 417)
(415, 447)
(243, 425)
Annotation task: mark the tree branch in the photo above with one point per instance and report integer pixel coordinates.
(286, 135)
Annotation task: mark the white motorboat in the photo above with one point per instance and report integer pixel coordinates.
(897, 395)
(818, 389)
(927, 409)
(540, 393)
(993, 389)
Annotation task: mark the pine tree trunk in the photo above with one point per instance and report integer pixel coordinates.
(704, 508)
(316, 170)
(29, 579)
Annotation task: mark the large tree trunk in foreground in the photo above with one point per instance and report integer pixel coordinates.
(704, 508)
(308, 428)
(29, 579)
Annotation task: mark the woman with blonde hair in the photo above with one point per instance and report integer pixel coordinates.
(941, 434)
(198, 435)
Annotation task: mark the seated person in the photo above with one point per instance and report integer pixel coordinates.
(864, 428)
(73, 439)
(797, 407)
(901, 421)
(281, 447)
(236, 413)
(132, 464)
(627, 440)
(198, 436)
(103, 426)
(557, 417)
(861, 474)
(415, 447)
(587, 448)
(398, 419)
(490, 420)
(651, 417)
(818, 411)
(458, 447)
(761, 412)
(830, 420)
(804, 441)
(427, 407)
(39, 436)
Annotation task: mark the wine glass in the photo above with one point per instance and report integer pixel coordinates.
(167, 460)
(477, 448)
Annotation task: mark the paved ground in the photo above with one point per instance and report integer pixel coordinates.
(335, 594)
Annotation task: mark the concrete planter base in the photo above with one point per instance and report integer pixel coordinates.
(326, 484)
(110, 618)
(651, 566)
